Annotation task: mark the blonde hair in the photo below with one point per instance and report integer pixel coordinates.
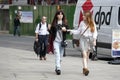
(89, 20)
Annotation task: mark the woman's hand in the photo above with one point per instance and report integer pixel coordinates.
(94, 42)
(49, 26)
(64, 29)
(36, 39)
(69, 30)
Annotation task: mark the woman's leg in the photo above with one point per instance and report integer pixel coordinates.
(57, 54)
(85, 48)
(85, 59)
(85, 63)
(57, 46)
(61, 52)
(88, 53)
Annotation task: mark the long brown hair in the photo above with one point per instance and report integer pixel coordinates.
(56, 18)
(89, 20)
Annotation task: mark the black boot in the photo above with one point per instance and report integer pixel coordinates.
(58, 72)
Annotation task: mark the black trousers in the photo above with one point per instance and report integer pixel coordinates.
(16, 30)
(43, 41)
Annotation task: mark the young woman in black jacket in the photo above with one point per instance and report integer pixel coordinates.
(58, 31)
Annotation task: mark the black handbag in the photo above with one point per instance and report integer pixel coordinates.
(64, 44)
(36, 47)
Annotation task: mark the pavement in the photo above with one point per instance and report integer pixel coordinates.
(19, 62)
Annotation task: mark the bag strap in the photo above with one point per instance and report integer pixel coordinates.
(84, 31)
(40, 26)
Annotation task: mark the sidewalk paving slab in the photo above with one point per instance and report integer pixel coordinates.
(16, 64)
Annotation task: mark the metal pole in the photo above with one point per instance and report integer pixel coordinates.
(67, 2)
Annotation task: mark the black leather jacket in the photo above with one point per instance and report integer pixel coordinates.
(56, 27)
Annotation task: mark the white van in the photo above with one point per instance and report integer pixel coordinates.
(106, 14)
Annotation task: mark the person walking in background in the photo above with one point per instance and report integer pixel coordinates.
(87, 30)
(42, 34)
(58, 31)
(16, 26)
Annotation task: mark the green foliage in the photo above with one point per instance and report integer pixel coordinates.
(37, 20)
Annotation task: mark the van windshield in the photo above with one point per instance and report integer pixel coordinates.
(119, 16)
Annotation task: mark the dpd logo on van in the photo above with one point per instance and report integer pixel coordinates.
(103, 16)
(85, 7)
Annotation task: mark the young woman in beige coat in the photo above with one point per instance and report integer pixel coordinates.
(87, 29)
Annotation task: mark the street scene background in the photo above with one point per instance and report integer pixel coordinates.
(18, 60)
